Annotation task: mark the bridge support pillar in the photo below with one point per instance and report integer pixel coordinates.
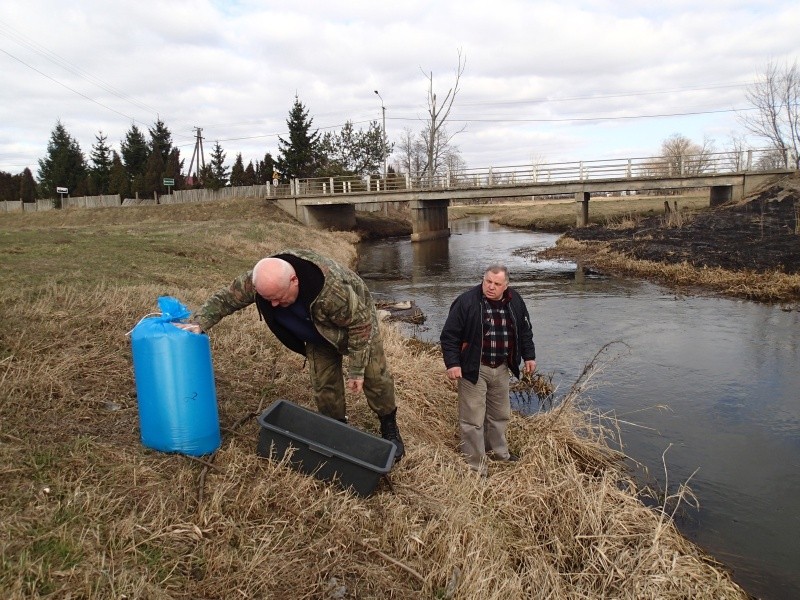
(582, 208)
(323, 216)
(429, 219)
(720, 194)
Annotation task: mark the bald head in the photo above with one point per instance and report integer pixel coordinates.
(276, 281)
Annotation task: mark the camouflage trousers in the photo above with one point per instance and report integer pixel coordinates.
(327, 379)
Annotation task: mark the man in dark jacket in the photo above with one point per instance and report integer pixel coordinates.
(324, 311)
(487, 334)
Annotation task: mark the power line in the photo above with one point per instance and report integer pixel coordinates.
(583, 119)
(74, 69)
(66, 86)
(604, 96)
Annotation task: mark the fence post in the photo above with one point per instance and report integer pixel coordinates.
(749, 159)
(580, 171)
(680, 165)
(535, 174)
(448, 177)
(408, 181)
(491, 177)
(332, 188)
(630, 168)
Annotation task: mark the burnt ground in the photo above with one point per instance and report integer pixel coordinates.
(760, 234)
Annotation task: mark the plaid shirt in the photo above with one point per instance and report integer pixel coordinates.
(498, 331)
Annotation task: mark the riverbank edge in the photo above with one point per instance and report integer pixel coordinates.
(770, 288)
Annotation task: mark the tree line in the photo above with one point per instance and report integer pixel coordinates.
(145, 160)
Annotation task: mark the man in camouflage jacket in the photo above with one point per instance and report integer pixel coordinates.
(324, 311)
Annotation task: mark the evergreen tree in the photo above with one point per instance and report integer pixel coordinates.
(118, 182)
(174, 169)
(64, 165)
(250, 174)
(206, 175)
(217, 168)
(135, 152)
(153, 179)
(8, 189)
(352, 152)
(265, 168)
(100, 168)
(161, 138)
(299, 157)
(27, 186)
(237, 171)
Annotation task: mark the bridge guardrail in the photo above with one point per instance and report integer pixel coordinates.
(622, 168)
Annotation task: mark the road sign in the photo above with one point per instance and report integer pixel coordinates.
(62, 190)
(168, 181)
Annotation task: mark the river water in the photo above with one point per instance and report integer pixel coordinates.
(709, 386)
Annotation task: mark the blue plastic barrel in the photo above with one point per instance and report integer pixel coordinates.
(174, 384)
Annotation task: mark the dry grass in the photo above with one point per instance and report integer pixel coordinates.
(88, 512)
(560, 215)
(772, 286)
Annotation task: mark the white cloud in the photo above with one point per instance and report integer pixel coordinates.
(534, 73)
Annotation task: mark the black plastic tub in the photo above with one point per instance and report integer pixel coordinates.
(325, 448)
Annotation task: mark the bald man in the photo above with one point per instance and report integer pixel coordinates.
(324, 311)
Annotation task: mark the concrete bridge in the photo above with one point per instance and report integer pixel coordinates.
(331, 202)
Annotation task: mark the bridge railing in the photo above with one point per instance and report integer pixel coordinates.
(617, 168)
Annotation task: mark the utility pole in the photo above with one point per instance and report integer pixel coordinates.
(198, 151)
(383, 145)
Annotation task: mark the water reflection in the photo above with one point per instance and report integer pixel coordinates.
(712, 380)
(431, 258)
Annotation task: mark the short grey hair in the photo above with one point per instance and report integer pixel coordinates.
(497, 268)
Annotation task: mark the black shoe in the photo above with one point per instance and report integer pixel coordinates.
(389, 431)
(511, 457)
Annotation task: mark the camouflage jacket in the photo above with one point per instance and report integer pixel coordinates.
(343, 312)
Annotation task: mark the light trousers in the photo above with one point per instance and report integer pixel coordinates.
(484, 411)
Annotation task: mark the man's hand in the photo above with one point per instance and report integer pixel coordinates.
(355, 385)
(530, 366)
(454, 373)
(193, 327)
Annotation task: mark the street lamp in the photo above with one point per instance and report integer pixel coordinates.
(383, 145)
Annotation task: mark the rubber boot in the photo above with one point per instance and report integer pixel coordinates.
(389, 431)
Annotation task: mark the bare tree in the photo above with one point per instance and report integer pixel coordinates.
(737, 153)
(681, 156)
(776, 97)
(411, 155)
(434, 134)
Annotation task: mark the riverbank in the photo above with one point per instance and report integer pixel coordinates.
(89, 512)
(748, 249)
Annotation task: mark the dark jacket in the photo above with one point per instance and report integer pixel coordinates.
(462, 335)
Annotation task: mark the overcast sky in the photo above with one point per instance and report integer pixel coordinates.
(544, 81)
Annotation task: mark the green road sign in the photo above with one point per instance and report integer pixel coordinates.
(168, 181)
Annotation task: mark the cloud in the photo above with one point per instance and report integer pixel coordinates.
(536, 73)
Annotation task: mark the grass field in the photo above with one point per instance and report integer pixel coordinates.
(86, 511)
(560, 215)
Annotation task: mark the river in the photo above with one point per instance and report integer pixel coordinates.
(707, 385)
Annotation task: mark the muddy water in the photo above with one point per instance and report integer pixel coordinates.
(709, 386)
